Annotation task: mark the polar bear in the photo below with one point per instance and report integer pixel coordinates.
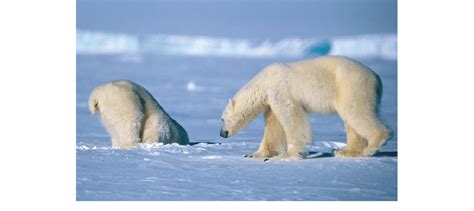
(286, 92)
(132, 116)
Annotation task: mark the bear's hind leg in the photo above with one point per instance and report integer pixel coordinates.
(130, 135)
(373, 131)
(273, 141)
(128, 120)
(150, 133)
(377, 140)
(121, 135)
(356, 144)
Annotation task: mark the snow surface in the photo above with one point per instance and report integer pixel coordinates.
(195, 89)
(209, 171)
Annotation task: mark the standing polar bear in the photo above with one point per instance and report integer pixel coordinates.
(132, 116)
(286, 92)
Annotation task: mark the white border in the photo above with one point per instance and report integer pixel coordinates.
(37, 65)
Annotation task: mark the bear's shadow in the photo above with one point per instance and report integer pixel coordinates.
(314, 154)
(195, 143)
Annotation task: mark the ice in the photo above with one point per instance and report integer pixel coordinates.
(366, 46)
(105, 43)
(333, 145)
(211, 157)
(192, 87)
(359, 46)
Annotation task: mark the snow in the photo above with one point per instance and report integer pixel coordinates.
(220, 172)
(194, 90)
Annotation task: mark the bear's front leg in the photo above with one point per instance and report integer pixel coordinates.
(273, 141)
(296, 147)
(259, 154)
(295, 126)
(267, 149)
(297, 130)
(288, 156)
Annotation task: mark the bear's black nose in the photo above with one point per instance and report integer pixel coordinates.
(224, 133)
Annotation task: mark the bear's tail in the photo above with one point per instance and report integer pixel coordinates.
(93, 103)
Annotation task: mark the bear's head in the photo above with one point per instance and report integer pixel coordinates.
(232, 120)
(246, 105)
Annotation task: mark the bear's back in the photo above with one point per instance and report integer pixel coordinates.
(149, 101)
(317, 82)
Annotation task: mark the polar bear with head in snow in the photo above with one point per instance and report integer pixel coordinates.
(131, 115)
(285, 93)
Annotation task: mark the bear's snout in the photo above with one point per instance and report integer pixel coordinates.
(224, 133)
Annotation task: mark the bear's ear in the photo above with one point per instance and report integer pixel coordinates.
(232, 103)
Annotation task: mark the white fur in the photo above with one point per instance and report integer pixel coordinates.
(286, 92)
(132, 116)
